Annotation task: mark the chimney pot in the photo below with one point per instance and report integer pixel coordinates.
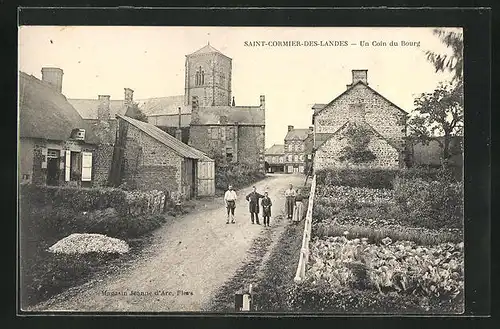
(53, 76)
(262, 101)
(290, 128)
(359, 75)
(128, 96)
(311, 128)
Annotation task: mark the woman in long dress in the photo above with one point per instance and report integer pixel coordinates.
(298, 210)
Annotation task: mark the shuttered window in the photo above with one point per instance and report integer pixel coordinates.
(86, 166)
(67, 166)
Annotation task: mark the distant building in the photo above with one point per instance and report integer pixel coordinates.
(298, 149)
(56, 145)
(359, 107)
(275, 159)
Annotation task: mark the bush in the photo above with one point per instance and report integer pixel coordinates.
(75, 198)
(372, 178)
(238, 176)
(436, 204)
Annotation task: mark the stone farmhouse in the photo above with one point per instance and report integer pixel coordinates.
(56, 146)
(363, 110)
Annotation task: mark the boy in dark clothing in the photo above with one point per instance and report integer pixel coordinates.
(253, 205)
(266, 208)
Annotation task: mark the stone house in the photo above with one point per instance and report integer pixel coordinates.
(298, 149)
(148, 158)
(359, 108)
(275, 159)
(233, 134)
(56, 146)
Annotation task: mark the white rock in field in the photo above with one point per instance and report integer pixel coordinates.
(78, 243)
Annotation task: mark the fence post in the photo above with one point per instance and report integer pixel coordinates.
(304, 251)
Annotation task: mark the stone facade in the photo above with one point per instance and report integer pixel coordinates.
(298, 148)
(208, 76)
(368, 106)
(328, 155)
(360, 103)
(251, 146)
(149, 164)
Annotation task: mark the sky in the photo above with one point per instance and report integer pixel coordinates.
(150, 60)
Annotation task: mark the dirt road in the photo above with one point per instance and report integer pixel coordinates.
(187, 262)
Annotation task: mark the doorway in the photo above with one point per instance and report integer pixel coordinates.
(53, 171)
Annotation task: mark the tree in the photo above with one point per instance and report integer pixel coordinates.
(134, 112)
(454, 62)
(439, 113)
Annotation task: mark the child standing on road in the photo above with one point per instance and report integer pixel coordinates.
(266, 208)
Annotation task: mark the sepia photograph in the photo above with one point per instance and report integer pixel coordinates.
(240, 170)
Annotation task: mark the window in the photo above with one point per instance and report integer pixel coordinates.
(282, 159)
(275, 160)
(199, 77)
(301, 157)
(290, 148)
(296, 158)
(229, 154)
(75, 166)
(290, 158)
(215, 133)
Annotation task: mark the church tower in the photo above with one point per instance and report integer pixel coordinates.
(208, 76)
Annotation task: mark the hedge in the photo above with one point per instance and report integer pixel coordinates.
(238, 176)
(382, 178)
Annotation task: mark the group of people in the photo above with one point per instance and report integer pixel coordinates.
(294, 205)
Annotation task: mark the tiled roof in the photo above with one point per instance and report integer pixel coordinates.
(297, 134)
(250, 115)
(276, 149)
(166, 139)
(46, 113)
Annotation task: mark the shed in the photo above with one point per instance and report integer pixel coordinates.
(154, 159)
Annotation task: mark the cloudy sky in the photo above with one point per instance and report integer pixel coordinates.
(150, 60)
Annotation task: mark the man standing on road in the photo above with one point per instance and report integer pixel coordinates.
(290, 201)
(253, 205)
(230, 200)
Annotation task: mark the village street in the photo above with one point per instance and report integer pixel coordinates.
(187, 262)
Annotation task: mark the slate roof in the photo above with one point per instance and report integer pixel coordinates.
(163, 105)
(297, 134)
(167, 140)
(316, 111)
(171, 120)
(88, 107)
(47, 114)
(317, 107)
(276, 149)
(249, 115)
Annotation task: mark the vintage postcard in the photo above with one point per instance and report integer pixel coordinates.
(241, 169)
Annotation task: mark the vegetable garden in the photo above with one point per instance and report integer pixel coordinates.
(385, 250)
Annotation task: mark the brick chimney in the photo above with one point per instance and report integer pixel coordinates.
(103, 112)
(262, 102)
(53, 76)
(290, 128)
(128, 97)
(195, 116)
(360, 75)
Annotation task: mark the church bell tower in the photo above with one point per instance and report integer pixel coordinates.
(208, 76)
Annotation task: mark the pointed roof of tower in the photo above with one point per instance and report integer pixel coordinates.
(208, 49)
